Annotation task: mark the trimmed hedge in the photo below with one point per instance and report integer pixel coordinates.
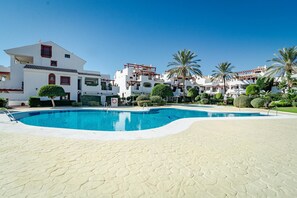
(34, 101)
(242, 101)
(85, 99)
(76, 104)
(94, 103)
(48, 103)
(258, 102)
(3, 102)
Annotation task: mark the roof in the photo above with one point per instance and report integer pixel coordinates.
(37, 67)
(82, 73)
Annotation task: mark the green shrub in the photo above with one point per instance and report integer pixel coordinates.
(142, 103)
(162, 90)
(258, 102)
(48, 103)
(252, 90)
(192, 93)
(204, 95)
(3, 102)
(280, 103)
(242, 101)
(142, 97)
(157, 100)
(219, 96)
(294, 104)
(204, 101)
(94, 103)
(85, 99)
(34, 101)
(197, 98)
(230, 101)
(76, 104)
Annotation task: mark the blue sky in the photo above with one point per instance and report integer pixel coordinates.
(108, 34)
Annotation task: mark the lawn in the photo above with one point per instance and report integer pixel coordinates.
(288, 109)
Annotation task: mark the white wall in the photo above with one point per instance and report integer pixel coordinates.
(34, 79)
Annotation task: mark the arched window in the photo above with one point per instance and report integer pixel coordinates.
(51, 79)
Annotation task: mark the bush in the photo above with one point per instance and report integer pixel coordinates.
(204, 95)
(280, 103)
(157, 100)
(142, 97)
(48, 103)
(192, 93)
(242, 101)
(162, 90)
(230, 101)
(197, 98)
(3, 102)
(142, 103)
(34, 101)
(258, 102)
(219, 96)
(76, 104)
(252, 90)
(204, 101)
(294, 104)
(94, 103)
(85, 99)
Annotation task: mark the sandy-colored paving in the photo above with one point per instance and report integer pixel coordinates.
(243, 158)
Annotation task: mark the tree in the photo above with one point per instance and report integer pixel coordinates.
(192, 93)
(184, 65)
(284, 65)
(265, 83)
(162, 91)
(223, 72)
(252, 89)
(51, 91)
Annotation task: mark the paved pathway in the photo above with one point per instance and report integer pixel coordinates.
(255, 158)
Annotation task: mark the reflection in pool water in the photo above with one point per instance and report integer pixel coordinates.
(114, 120)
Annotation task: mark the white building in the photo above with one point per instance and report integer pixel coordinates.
(34, 66)
(177, 84)
(235, 86)
(135, 79)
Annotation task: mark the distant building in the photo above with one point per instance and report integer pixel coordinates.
(136, 79)
(45, 63)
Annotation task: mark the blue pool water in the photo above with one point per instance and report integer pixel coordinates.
(114, 120)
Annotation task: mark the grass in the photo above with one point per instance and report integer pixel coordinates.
(288, 109)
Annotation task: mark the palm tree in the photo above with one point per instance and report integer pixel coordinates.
(284, 65)
(223, 72)
(184, 65)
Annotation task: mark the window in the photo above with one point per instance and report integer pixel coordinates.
(147, 84)
(67, 55)
(66, 97)
(51, 79)
(46, 51)
(54, 63)
(91, 81)
(65, 80)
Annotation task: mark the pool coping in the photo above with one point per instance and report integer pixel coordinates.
(174, 127)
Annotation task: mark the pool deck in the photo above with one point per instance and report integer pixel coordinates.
(209, 158)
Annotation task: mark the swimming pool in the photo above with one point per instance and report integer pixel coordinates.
(113, 120)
